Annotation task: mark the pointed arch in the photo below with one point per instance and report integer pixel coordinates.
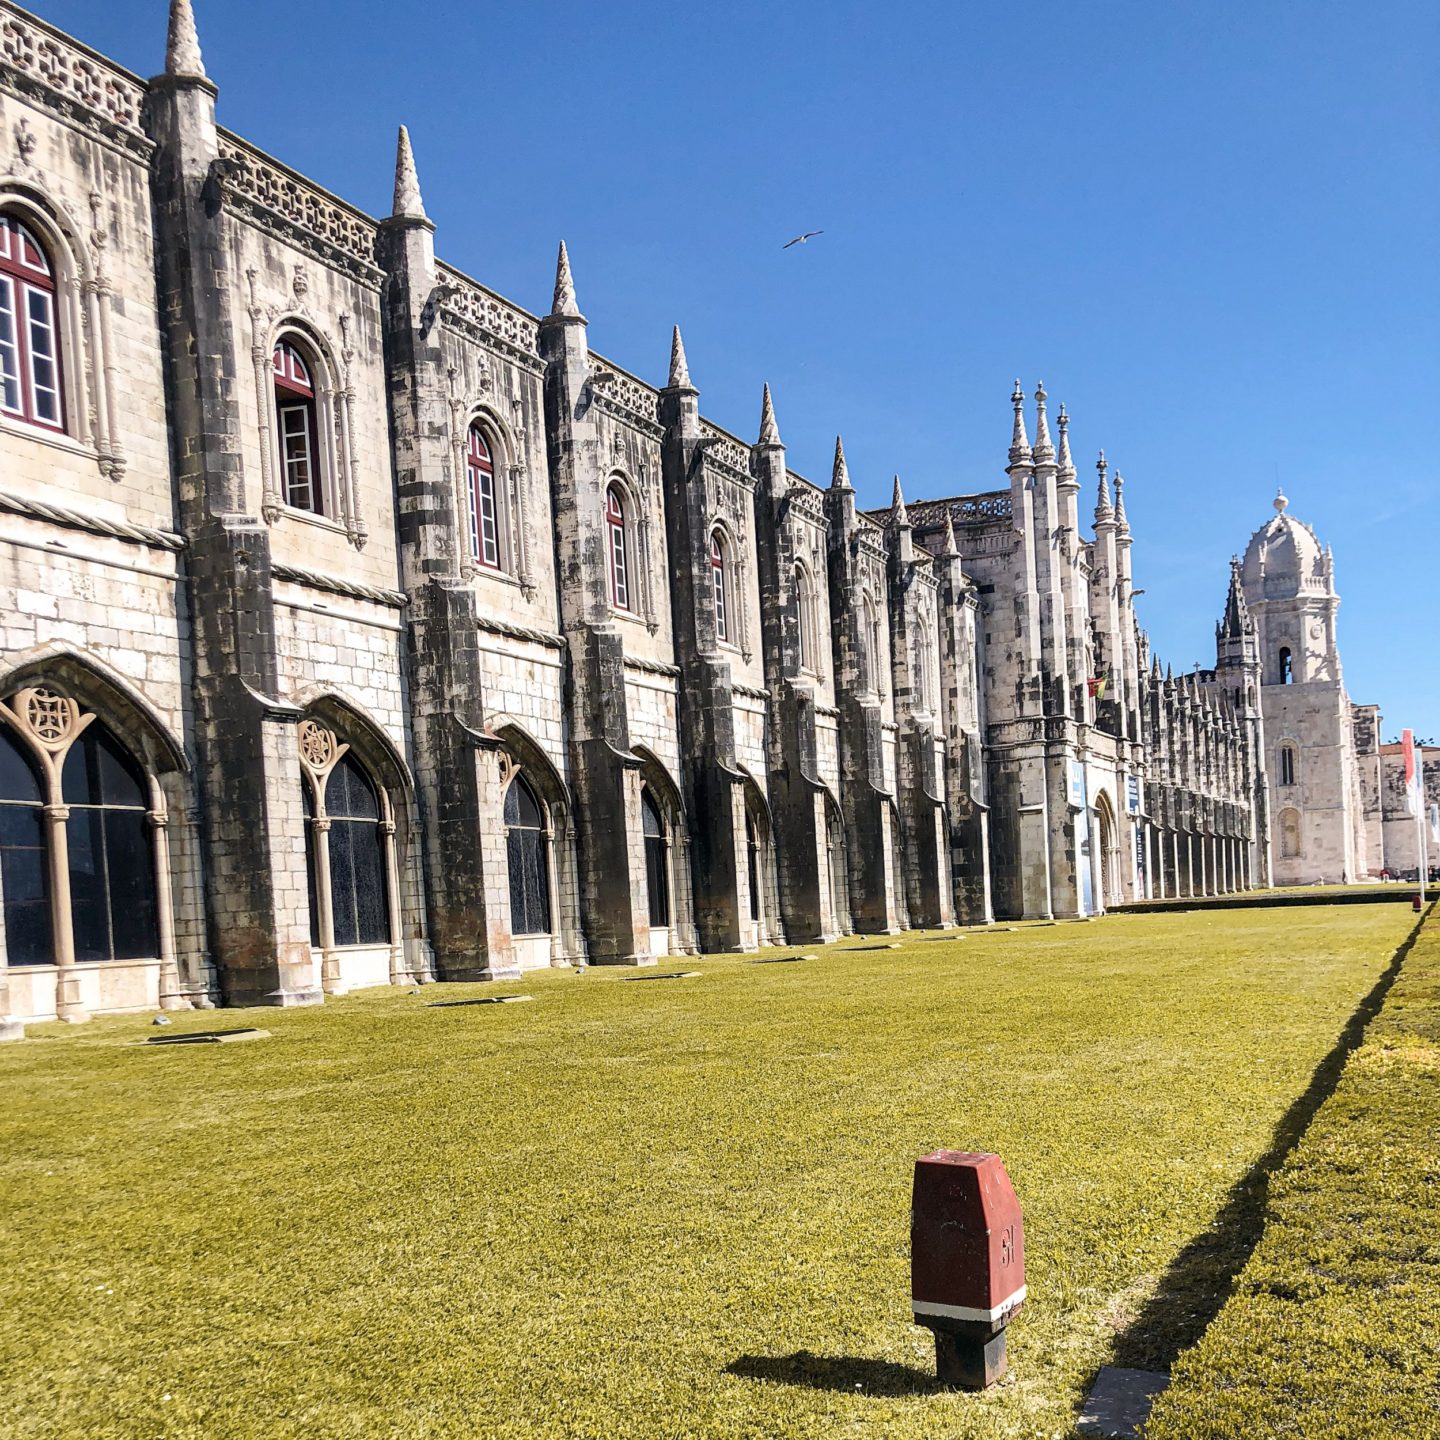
(87, 679)
(657, 781)
(521, 754)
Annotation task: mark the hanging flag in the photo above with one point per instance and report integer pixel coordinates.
(1096, 685)
(1413, 799)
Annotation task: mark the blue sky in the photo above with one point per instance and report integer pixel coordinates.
(1210, 228)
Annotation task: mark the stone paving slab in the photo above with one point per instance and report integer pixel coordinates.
(1119, 1402)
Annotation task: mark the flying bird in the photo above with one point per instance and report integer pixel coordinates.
(801, 239)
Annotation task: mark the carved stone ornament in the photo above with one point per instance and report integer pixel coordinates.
(319, 748)
(505, 762)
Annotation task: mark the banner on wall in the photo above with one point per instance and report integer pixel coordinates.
(1132, 794)
(1077, 784)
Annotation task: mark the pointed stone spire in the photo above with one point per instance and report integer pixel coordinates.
(408, 204)
(1019, 440)
(769, 430)
(898, 516)
(1237, 613)
(679, 366)
(1103, 513)
(840, 474)
(1155, 674)
(1067, 465)
(182, 47)
(1122, 525)
(950, 550)
(1044, 448)
(564, 302)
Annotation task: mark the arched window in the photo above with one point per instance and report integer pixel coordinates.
(1286, 669)
(527, 848)
(657, 863)
(718, 585)
(805, 616)
(1287, 764)
(351, 852)
(108, 863)
(30, 377)
(752, 861)
(298, 426)
(869, 651)
(484, 518)
(24, 867)
(617, 551)
(112, 875)
(359, 901)
(925, 666)
(1289, 834)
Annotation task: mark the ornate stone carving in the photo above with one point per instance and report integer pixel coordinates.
(268, 192)
(68, 81)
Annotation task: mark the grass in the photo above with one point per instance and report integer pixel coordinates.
(670, 1209)
(1334, 1328)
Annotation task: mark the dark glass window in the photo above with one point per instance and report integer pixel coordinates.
(112, 870)
(752, 855)
(1287, 669)
(528, 851)
(657, 870)
(23, 863)
(1287, 764)
(359, 899)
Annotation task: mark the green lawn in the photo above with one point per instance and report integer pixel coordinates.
(1334, 1327)
(644, 1209)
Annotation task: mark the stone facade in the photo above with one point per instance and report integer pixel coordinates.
(1320, 753)
(442, 647)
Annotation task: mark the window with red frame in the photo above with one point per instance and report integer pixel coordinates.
(618, 553)
(299, 429)
(30, 386)
(484, 528)
(717, 580)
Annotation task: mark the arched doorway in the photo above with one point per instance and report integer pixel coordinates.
(1105, 866)
(760, 922)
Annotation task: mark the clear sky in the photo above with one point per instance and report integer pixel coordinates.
(1210, 228)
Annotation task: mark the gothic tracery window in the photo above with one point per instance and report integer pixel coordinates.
(76, 825)
(350, 849)
(30, 361)
(657, 862)
(527, 847)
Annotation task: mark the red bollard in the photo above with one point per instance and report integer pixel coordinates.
(967, 1263)
(1415, 904)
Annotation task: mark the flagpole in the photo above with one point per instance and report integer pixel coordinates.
(1421, 818)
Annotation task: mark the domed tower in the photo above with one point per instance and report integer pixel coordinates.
(1289, 585)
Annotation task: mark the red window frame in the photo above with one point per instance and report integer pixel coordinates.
(27, 280)
(295, 399)
(717, 581)
(484, 519)
(618, 557)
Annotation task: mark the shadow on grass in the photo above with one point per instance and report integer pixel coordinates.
(1202, 1276)
(849, 1374)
